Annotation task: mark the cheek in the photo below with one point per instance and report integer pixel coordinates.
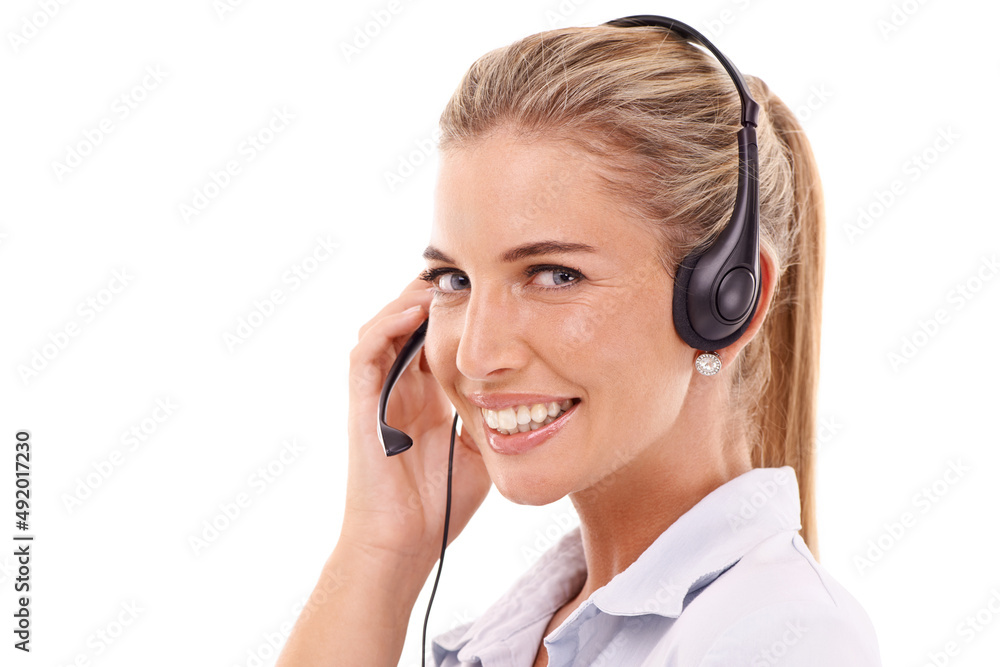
(594, 353)
(579, 330)
(587, 336)
(623, 352)
(440, 358)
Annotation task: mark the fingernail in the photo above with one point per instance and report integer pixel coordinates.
(412, 309)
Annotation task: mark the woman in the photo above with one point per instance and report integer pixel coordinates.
(579, 168)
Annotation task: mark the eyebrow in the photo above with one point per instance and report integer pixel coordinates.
(521, 251)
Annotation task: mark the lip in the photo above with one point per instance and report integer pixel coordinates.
(519, 443)
(501, 401)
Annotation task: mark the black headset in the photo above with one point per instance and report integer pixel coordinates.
(716, 289)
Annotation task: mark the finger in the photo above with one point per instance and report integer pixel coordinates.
(368, 356)
(408, 298)
(417, 283)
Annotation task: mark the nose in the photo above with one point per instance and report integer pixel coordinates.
(492, 342)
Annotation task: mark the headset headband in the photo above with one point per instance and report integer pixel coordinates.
(750, 107)
(716, 290)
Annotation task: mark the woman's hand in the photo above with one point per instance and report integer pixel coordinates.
(396, 504)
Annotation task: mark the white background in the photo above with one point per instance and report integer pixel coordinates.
(870, 100)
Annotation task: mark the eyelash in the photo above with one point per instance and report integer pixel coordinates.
(431, 275)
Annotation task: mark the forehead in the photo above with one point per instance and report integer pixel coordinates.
(509, 188)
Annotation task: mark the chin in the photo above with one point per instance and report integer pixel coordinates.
(523, 489)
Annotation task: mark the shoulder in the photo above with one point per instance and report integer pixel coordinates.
(777, 604)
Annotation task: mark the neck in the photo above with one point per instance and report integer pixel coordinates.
(621, 516)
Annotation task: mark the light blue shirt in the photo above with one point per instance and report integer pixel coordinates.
(730, 583)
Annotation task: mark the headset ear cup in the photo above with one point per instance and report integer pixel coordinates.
(734, 253)
(684, 300)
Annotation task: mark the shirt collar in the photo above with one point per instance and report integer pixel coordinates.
(699, 546)
(704, 542)
(526, 607)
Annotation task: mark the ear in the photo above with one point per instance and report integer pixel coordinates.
(768, 280)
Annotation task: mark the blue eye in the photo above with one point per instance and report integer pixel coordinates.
(449, 281)
(559, 274)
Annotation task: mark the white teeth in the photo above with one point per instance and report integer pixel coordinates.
(522, 418)
(506, 419)
(523, 415)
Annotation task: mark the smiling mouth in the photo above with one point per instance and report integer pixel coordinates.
(521, 418)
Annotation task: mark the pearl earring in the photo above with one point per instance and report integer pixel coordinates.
(708, 363)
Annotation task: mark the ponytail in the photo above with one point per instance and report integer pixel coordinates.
(786, 411)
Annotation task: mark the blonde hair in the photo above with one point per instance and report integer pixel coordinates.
(661, 115)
